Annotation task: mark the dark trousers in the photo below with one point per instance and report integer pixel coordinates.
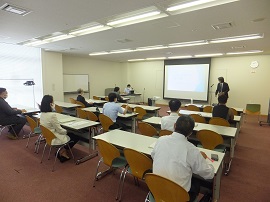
(194, 189)
(117, 125)
(18, 121)
(73, 140)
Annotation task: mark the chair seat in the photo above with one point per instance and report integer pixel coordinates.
(37, 130)
(219, 148)
(119, 162)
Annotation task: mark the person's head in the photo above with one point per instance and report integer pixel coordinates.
(128, 85)
(80, 91)
(184, 125)
(222, 99)
(112, 97)
(47, 104)
(116, 89)
(174, 105)
(221, 79)
(3, 93)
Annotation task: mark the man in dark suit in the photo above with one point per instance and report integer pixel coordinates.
(222, 87)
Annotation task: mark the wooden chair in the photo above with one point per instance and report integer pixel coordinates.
(192, 108)
(165, 132)
(252, 109)
(81, 113)
(125, 105)
(110, 156)
(106, 122)
(198, 118)
(58, 109)
(208, 109)
(219, 121)
(35, 129)
(3, 127)
(91, 116)
(107, 98)
(164, 189)
(72, 100)
(147, 130)
(211, 140)
(96, 97)
(235, 113)
(138, 165)
(141, 113)
(80, 103)
(49, 136)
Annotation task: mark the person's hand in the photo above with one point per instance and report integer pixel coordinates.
(23, 110)
(91, 103)
(203, 154)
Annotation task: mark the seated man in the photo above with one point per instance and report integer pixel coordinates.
(128, 89)
(111, 109)
(221, 110)
(81, 98)
(167, 122)
(181, 158)
(119, 97)
(9, 116)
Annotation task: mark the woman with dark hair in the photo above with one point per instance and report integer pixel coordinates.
(49, 120)
(81, 98)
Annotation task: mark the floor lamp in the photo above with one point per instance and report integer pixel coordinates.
(31, 83)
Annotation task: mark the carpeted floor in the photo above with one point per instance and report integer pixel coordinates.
(24, 178)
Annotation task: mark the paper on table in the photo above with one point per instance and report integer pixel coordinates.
(77, 123)
(65, 120)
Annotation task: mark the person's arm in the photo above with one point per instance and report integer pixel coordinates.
(199, 165)
(216, 90)
(7, 109)
(230, 114)
(57, 125)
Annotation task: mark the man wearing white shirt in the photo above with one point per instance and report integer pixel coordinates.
(128, 89)
(177, 159)
(167, 122)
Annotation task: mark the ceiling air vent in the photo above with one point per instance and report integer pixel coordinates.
(123, 40)
(15, 9)
(222, 25)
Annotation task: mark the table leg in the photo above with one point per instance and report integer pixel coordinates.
(133, 125)
(216, 184)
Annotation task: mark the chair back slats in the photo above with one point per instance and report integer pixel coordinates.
(141, 112)
(105, 121)
(209, 139)
(165, 132)
(47, 134)
(219, 121)
(108, 152)
(146, 129)
(193, 108)
(58, 109)
(208, 109)
(81, 113)
(91, 116)
(95, 97)
(72, 100)
(80, 103)
(198, 118)
(32, 123)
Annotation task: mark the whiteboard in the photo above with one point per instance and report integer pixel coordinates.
(72, 82)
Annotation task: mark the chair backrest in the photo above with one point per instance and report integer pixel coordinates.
(80, 103)
(47, 134)
(192, 108)
(138, 162)
(105, 121)
(208, 109)
(32, 123)
(72, 100)
(96, 97)
(58, 109)
(165, 132)
(107, 98)
(209, 139)
(91, 116)
(146, 129)
(141, 112)
(253, 109)
(81, 113)
(198, 118)
(165, 190)
(235, 113)
(219, 121)
(107, 151)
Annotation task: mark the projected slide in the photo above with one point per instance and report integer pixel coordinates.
(186, 81)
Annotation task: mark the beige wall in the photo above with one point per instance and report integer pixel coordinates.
(102, 74)
(52, 74)
(247, 85)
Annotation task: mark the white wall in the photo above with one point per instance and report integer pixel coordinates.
(52, 74)
(102, 74)
(246, 87)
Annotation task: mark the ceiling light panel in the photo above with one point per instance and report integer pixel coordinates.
(237, 38)
(99, 53)
(180, 57)
(15, 9)
(244, 52)
(190, 43)
(209, 55)
(151, 48)
(122, 51)
(89, 29)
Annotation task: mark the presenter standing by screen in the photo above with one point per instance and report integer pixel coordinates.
(222, 87)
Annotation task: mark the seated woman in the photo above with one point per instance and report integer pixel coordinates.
(81, 98)
(221, 110)
(49, 120)
(9, 115)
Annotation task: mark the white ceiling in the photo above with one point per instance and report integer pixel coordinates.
(50, 16)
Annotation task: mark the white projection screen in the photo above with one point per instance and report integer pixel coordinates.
(186, 79)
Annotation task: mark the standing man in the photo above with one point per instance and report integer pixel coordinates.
(175, 158)
(10, 116)
(222, 87)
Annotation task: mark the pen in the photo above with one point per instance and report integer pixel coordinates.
(210, 159)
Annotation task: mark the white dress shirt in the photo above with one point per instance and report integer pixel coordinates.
(167, 122)
(176, 159)
(50, 121)
(127, 90)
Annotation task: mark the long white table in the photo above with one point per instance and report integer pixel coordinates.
(29, 110)
(96, 101)
(144, 144)
(103, 97)
(151, 109)
(75, 123)
(127, 116)
(201, 106)
(66, 104)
